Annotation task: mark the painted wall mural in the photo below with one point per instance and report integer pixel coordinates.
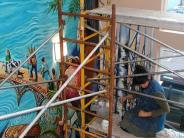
(24, 26)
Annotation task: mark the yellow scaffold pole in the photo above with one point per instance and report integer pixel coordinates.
(81, 34)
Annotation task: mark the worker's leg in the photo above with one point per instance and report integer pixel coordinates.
(129, 126)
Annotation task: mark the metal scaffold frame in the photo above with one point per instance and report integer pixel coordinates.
(84, 85)
(84, 61)
(61, 89)
(107, 49)
(83, 43)
(140, 57)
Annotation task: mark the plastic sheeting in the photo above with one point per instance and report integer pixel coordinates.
(169, 133)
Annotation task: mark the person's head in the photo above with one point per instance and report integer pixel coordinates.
(34, 56)
(72, 59)
(142, 80)
(75, 60)
(43, 59)
(7, 52)
(53, 71)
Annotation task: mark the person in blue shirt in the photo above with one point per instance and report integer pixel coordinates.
(45, 70)
(148, 116)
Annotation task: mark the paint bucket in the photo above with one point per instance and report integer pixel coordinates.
(105, 124)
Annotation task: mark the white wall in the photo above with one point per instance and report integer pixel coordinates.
(142, 4)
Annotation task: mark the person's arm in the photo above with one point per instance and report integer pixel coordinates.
(164, 107)
(128, 97)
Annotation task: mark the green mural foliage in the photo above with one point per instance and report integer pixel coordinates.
(74, 6)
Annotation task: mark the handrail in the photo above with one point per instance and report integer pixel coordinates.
(135, 75)
(143, 94)
(62, 87)
(139, 54)
(153, 97)
(152, 61)
(14, 71)
(156, 40)
(142, 60)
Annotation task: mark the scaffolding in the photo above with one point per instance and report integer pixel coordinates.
(108, 70)
(105, 52)
(105, 49)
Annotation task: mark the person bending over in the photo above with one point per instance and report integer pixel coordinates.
(148, 116)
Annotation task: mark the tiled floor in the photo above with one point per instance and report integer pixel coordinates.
(117, 132)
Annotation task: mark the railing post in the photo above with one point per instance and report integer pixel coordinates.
(112, 63)
(61, 65)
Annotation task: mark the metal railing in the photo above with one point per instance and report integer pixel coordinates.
(51, 104)
(62, 87)
(141, 55)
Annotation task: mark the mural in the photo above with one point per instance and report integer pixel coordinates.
(25, 25)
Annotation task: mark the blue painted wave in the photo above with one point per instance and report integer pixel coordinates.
(48, 119)
(25, 24)
(8, 104)
(27, 102)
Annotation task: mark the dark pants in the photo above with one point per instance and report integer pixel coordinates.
(6, 69)
(129, 126)
(35, 70)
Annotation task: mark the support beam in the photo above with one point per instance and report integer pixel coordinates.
(112, 66)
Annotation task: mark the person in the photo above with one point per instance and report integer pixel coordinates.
(33, 62)
(53, 85)
(75, 82)
(45, 70)
(8, 58)
(28, 64)
(148, 116)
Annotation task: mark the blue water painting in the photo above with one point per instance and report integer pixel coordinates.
(25, 24)
(27, 101)
(8, 104)
(29, 23)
